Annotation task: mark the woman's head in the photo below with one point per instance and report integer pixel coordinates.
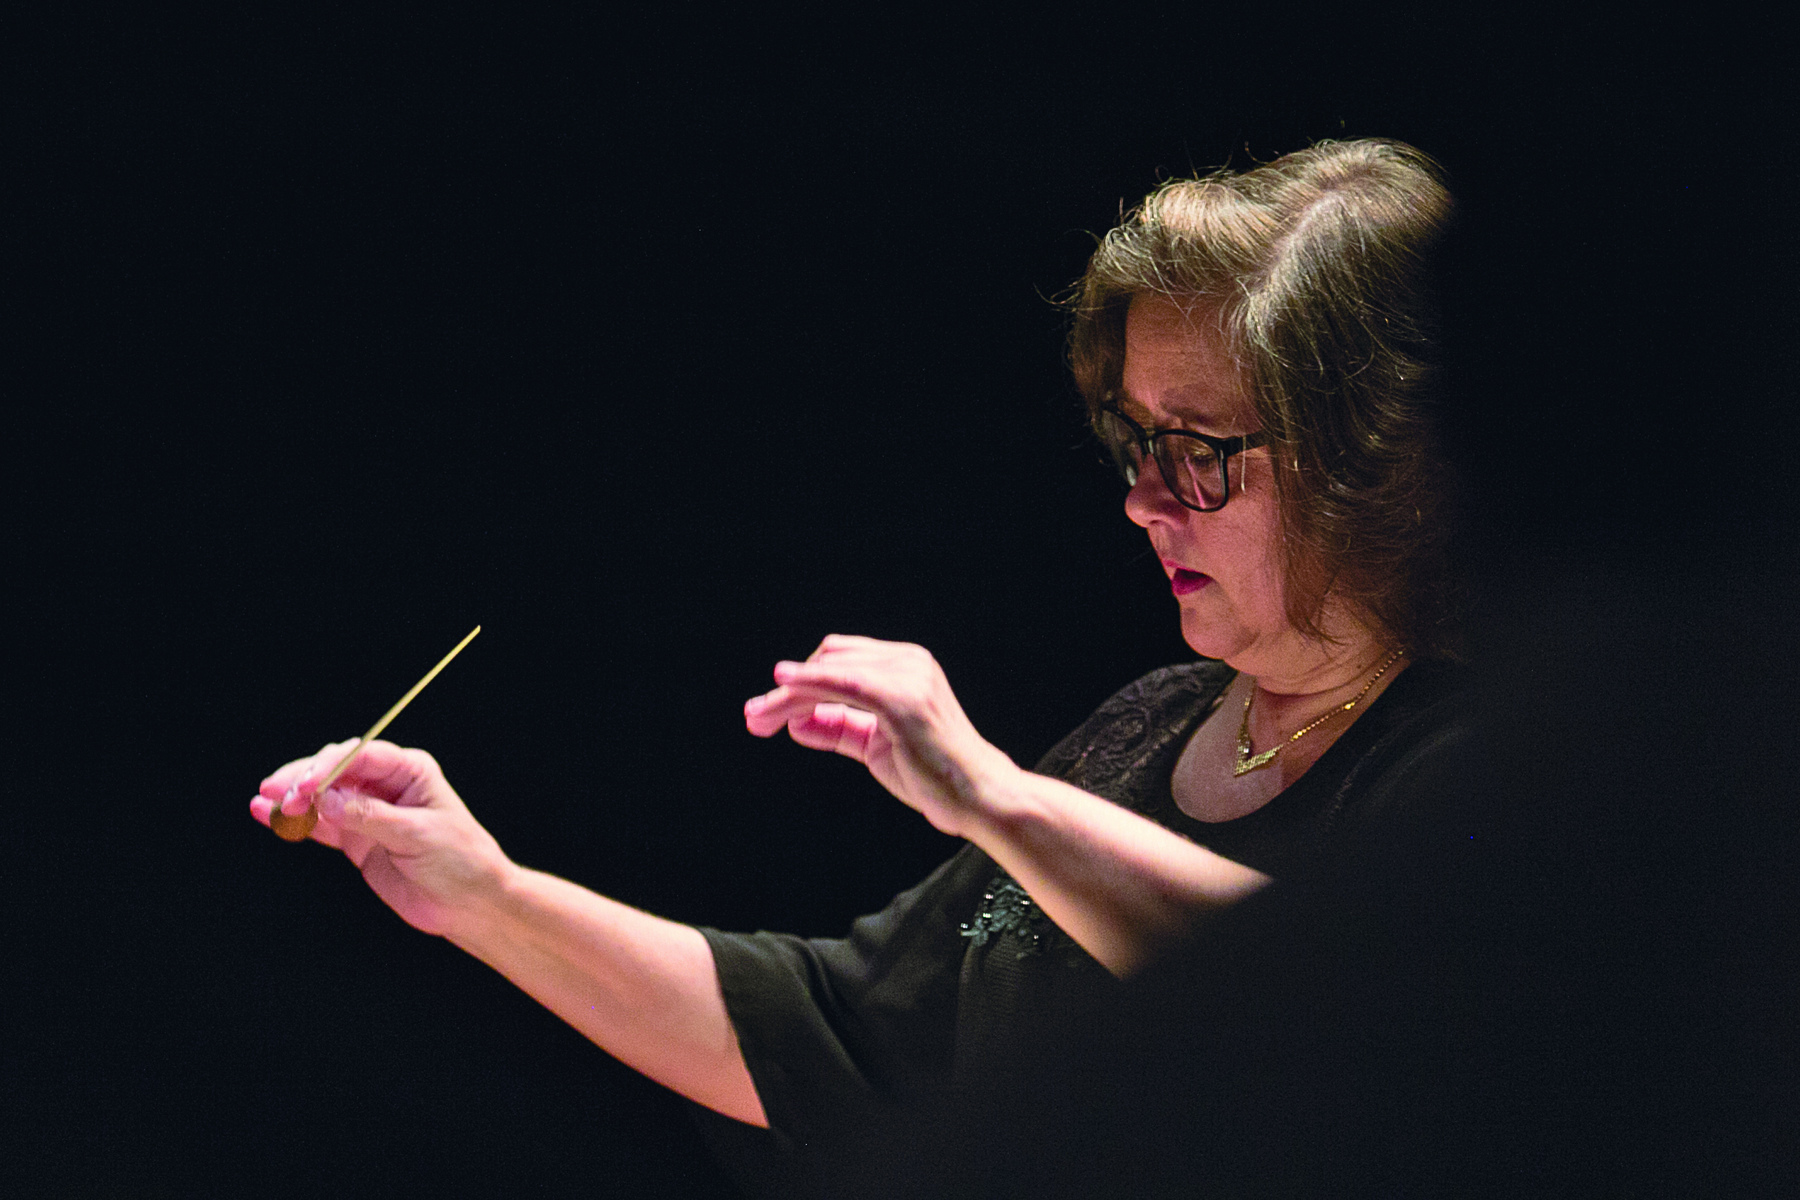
(1309, 277)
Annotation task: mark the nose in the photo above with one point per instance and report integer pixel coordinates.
(1150, 500)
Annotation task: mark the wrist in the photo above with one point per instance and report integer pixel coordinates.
(489, 902)
(1001, 797)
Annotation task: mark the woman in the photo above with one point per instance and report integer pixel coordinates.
(1255, 356)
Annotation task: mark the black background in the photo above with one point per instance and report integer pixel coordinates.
(661, 350)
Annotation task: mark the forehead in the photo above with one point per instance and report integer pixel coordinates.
(1178, 365)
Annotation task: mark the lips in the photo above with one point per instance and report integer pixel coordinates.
(1183, 581)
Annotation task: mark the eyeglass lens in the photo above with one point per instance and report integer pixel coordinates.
(1189, 466)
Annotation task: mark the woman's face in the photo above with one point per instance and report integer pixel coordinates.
(1225, 567)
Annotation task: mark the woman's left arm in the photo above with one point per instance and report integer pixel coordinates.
(1119, 884)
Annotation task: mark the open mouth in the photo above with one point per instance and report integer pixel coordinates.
(1184, 581)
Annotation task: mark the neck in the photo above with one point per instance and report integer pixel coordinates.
(1296, 667)
(1274, 713)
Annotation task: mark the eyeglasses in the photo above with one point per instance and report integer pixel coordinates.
(1192, 464)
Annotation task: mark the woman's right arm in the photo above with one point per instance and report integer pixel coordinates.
(641, 988)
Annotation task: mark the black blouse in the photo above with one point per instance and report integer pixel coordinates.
(952, 978)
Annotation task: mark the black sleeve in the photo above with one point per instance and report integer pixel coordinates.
(842, 1036)
(835, 1031)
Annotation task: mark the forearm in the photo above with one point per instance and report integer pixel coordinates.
(1119, 884)
(642, 988)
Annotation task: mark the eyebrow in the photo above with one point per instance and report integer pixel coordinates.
(1138, 411)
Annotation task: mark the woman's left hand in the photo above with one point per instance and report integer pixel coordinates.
(888, 706)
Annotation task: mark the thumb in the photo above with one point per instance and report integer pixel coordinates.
(385, 824)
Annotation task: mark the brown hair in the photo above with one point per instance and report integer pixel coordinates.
(1317, 263)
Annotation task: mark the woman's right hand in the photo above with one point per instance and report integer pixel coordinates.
(394, 815)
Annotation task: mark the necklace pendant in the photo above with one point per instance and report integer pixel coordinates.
(1247, 762)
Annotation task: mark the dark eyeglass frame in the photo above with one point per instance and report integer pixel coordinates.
(1149, 441)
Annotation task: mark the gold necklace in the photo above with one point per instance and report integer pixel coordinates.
(1246, 762)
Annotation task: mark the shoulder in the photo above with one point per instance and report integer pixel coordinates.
(1167, 687)
(1164, 691)
(1144, 710)
(1416, 745)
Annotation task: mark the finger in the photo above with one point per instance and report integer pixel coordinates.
(838, 643)
(324, 832)
(835, 727)
(281, 780)
(755, 720)
(866, 685)
(327, 834)
(385, 824)
(769, 714)
(396, 774)
(288, 786)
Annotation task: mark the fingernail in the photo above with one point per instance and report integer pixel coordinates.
(783, 670)
(755, 704)
(331, 804)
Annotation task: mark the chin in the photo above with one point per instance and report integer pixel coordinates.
(1209, 641)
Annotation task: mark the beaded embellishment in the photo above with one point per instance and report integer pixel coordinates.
(1008, 908)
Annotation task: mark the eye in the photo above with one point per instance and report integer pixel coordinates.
(1187, 450)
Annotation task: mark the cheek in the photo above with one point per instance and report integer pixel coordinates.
(1250, 524)
(1252, 545)
(1269, 559)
